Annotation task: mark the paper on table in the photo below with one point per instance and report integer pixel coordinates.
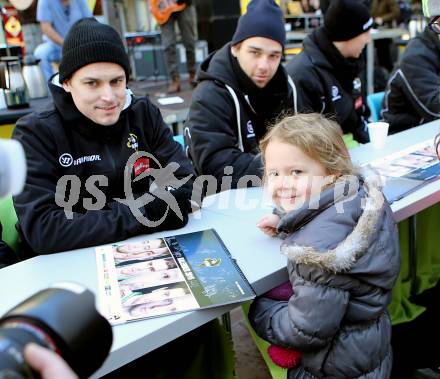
(170, 100)
(408, 169)
(168, 275)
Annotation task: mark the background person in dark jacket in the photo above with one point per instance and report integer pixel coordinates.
(78, 148)
(326, 72)
(412, 96)
(243, 87)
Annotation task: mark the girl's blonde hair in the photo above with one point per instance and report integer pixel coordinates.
(317, 136)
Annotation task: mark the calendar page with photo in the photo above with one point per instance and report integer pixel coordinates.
(417, 162)
(408, 169)
(157, 277)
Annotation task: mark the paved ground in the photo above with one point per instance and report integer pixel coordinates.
(249, 363)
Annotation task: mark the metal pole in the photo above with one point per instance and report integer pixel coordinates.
(106, 10)
(370, 67)
(141, 15)
(114, 15)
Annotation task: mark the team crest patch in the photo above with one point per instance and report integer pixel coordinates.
(335, 93)
(132, 141)
(250, 129)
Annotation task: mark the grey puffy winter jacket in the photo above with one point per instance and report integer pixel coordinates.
(342, 267)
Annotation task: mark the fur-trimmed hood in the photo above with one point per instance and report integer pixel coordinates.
(338, 209)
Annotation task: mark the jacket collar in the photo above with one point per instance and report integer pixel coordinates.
(431, 38)
(346, 253)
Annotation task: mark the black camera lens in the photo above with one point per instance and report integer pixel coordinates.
(63, 319)
(12, 363)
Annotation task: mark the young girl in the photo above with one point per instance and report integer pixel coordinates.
(343, 254)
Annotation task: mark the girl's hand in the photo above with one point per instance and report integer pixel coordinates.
(268, 224)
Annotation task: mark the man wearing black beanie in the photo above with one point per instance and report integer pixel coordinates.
(78, 148)
(326, 72)
(242, 89)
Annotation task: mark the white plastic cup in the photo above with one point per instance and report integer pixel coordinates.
(378, 132)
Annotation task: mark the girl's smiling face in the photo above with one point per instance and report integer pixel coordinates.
(292, 177)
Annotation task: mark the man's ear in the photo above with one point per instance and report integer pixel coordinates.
(66, 86)
(234, 51)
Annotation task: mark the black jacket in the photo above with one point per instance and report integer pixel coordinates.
(328, 83)
(412, 96)
(213, 124)
(7, 255)
(61, 141)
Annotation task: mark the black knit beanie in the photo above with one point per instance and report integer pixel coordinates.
(263, 18)
(89, 41)
(346, 19)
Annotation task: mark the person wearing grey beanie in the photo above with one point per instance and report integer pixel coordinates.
(242, 89)
(91, 130)
(326, 72)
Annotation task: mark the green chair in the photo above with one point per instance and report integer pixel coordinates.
(8, 219)
(276, 372)
(349, 141)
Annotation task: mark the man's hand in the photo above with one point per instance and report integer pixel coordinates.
(268, 224)
(48, 364)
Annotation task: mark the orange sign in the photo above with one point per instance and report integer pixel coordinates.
(12, 27)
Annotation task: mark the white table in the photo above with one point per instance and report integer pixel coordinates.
(424, 196)
(256, 254)
(415, 202)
